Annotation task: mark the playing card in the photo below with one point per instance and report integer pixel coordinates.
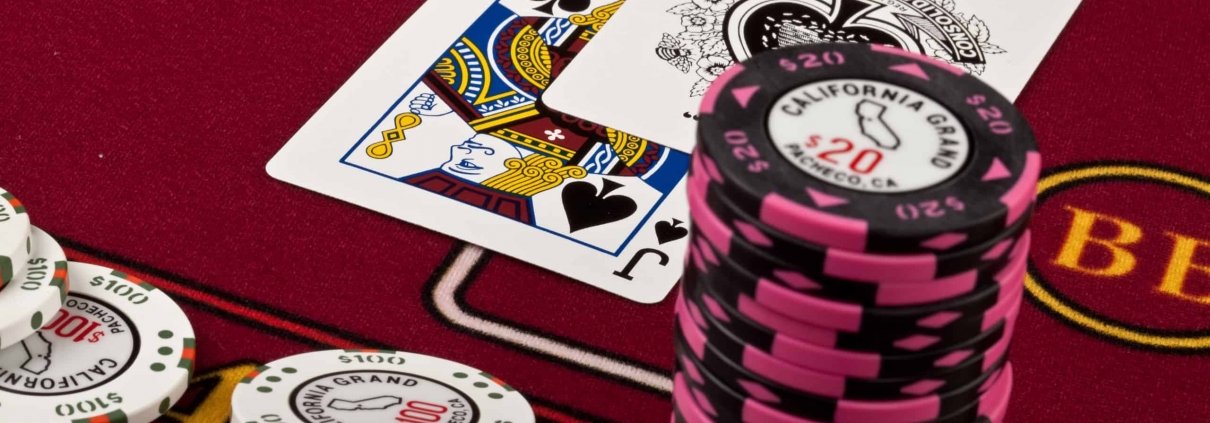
(443, 127)
(647, 71)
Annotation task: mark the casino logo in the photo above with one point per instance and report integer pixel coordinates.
(868, 135)
(374, 386)
(85, 345)
(717, 33)
(380, 395)
(1116, 262)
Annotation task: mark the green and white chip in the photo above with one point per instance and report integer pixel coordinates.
(14, 237)
(372, 386)
(36, 294)
(119, 350)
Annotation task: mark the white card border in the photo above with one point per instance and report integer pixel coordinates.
(312, 160)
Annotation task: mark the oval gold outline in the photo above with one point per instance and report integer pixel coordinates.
(1043, 294)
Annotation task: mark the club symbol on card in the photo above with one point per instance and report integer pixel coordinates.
(587, 208)
(666, 232)
(570, 6)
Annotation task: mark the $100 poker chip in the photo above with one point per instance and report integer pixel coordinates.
(372, 385)
(118, 351)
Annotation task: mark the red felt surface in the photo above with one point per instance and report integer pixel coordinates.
(137, 133)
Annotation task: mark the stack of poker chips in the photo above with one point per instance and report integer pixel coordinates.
(860, 237)
(80, 342)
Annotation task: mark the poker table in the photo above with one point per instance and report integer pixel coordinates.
(137, 134)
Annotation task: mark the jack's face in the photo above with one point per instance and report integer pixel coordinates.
(479, 158)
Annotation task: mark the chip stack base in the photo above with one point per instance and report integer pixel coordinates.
(859, 245)
(80, 342)
(136, 344)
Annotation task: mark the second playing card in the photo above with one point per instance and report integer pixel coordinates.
(646, 72)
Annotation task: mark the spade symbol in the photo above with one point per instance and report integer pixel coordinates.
(779, 24)
(570, 6)
(587, 208)
(666, 232)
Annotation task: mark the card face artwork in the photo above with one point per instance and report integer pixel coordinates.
(646, 72)
(445, 127)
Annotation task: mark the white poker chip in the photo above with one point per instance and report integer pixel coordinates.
(14, 237)
(374, 386)
(36, 294)
(119, 350)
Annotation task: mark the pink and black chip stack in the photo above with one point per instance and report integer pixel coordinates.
(860, 239)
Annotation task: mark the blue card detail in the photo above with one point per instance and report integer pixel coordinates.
(474, 130)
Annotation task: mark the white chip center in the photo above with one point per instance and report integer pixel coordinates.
(868, 136)
(85, 344)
